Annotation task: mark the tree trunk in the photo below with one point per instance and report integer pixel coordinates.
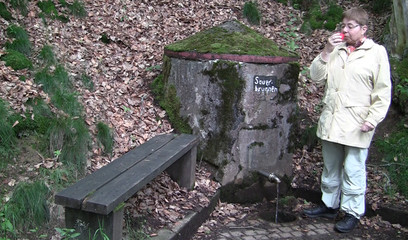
(399, 28)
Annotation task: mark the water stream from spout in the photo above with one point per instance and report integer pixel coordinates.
(277, 202)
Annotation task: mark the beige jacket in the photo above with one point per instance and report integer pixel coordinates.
(358, 89)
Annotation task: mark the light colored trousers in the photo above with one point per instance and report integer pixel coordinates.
(344, 177)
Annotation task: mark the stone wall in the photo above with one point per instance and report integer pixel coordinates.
(243, 113)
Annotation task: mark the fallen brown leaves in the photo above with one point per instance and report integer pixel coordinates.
(165, 202)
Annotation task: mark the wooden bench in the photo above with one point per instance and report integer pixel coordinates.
(96, 201)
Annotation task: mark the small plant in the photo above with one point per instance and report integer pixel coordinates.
(400, 82)
(135, 227)
(57, 153)
(105, 137)
(126, 109)
(105, 38)
(155, 67)
(99, 233)
(6, 227)
(67, 233)
(251, 13)
(402, 90)
(291, 36)
(87, 81)
(27, 207)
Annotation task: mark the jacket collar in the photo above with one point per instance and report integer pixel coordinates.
(368, 43)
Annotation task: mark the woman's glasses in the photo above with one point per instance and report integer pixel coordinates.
(348, 25)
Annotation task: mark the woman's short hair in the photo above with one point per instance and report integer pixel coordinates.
(357, 14)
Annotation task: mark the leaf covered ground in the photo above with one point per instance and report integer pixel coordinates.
(122, 68)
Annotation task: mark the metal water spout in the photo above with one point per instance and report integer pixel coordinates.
(270, 176)
(273, 178)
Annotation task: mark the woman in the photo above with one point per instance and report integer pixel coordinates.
(356, 74)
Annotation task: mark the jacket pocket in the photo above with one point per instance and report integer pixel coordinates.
(358, 113)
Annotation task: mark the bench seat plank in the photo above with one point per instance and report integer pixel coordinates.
(129, 182)
(74, 195)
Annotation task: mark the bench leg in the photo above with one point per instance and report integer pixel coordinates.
(183, 170)
(92, 224)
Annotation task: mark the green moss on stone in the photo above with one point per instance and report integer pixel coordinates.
(226, 75)
(290, 77)
(230, 38)
(166, 95)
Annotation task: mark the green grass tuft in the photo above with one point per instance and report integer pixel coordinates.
(48, 56)
(105, 137)
(61, 79)
(20, 45)
(61, 89)
(20, 5)
(316, 19)
(381, 6)
(78, 9)
(4, 13)
(71, 137)
(28, 207)
(48, 9)
(46, 79)
(67, 102)
(59, 177)
(21, 42)
(16, 60)
(7, 136)
(251, 13)
(18, 32)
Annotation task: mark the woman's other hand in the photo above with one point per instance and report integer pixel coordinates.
(366, 127)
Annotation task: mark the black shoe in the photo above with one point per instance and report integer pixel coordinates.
(321, 211)
(348, 223)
